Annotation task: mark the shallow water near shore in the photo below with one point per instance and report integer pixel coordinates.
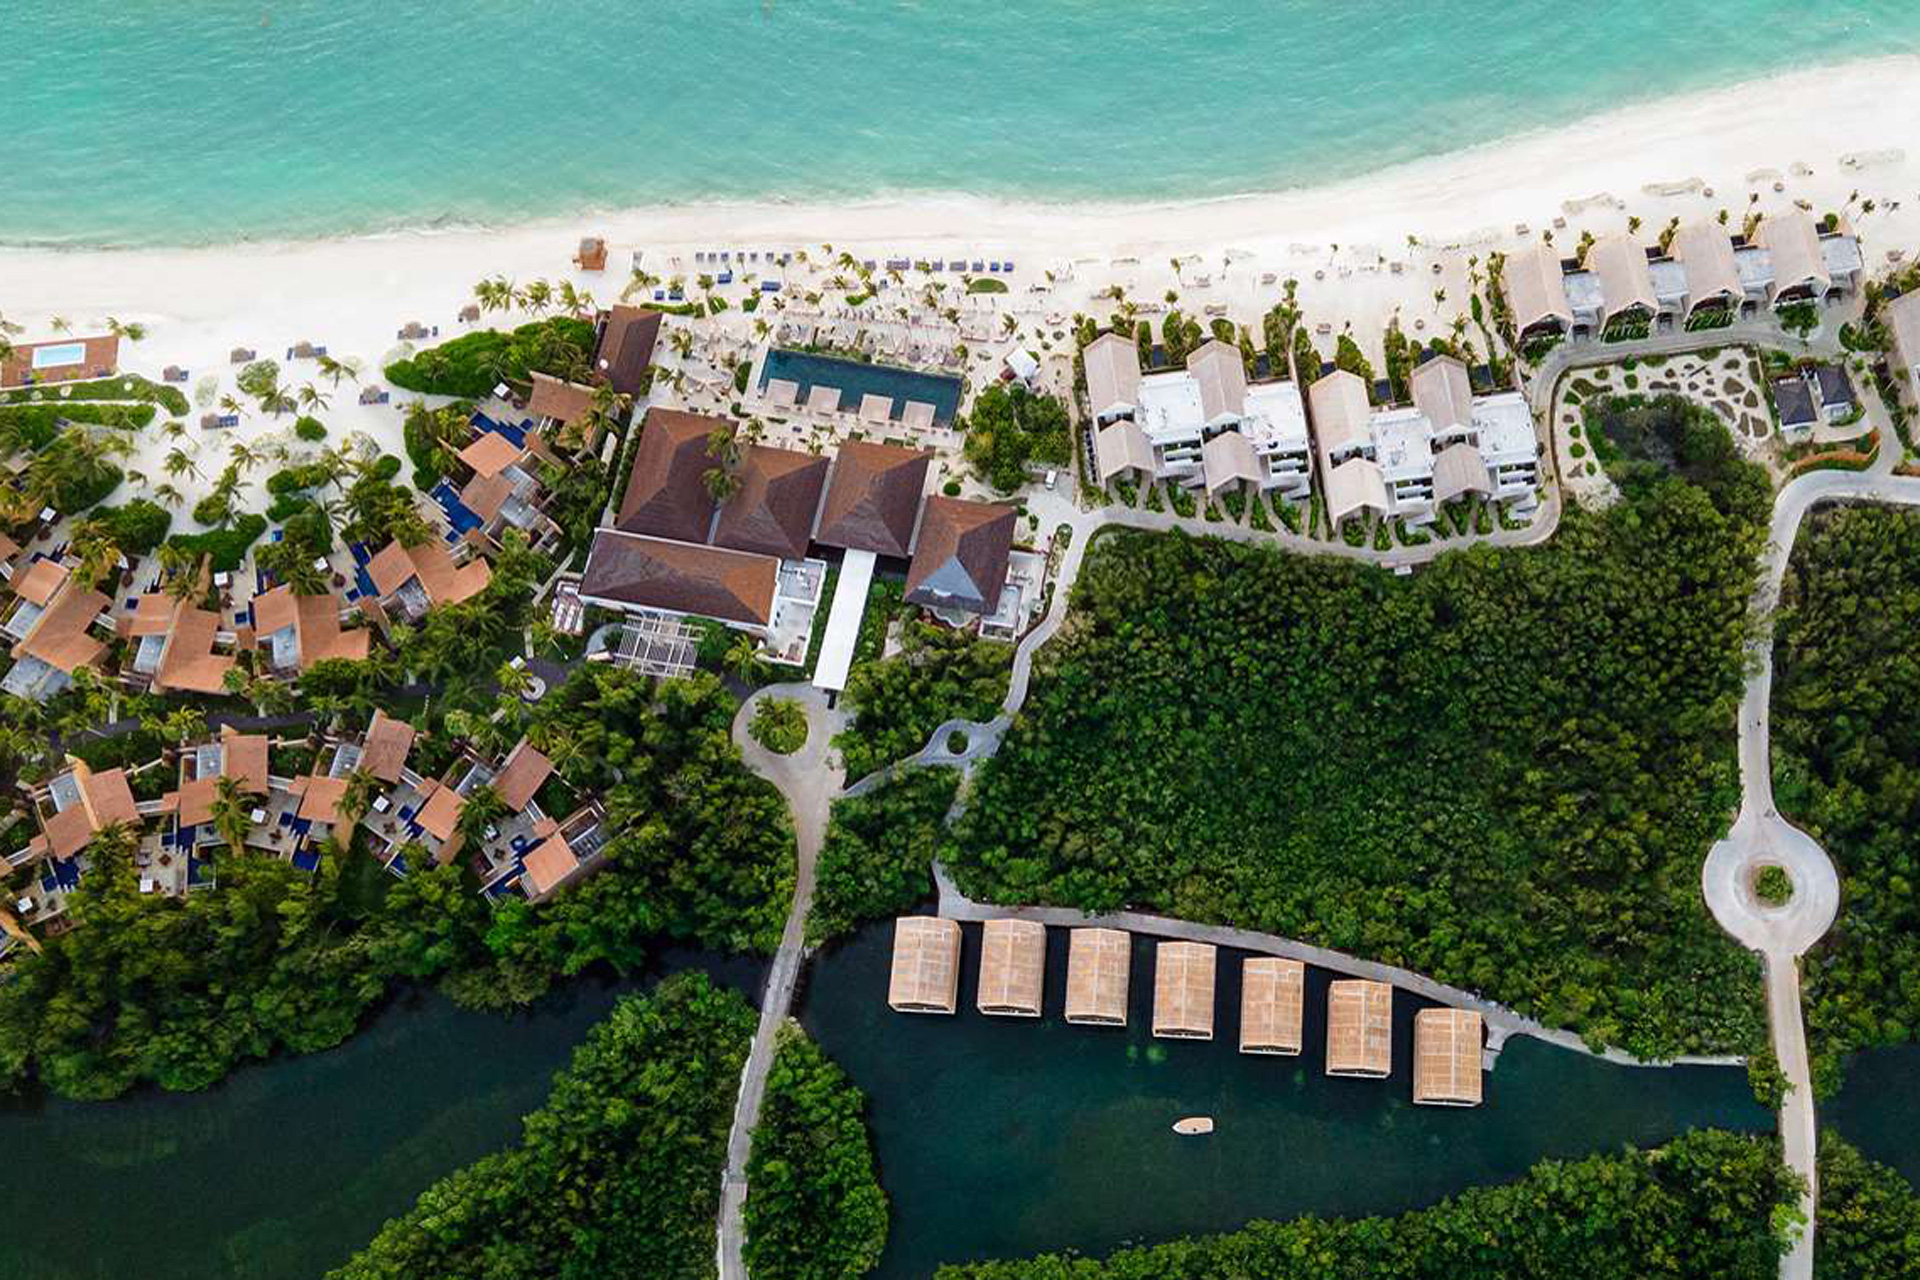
(288, 1167)
(1000, 1137)
(141, 123)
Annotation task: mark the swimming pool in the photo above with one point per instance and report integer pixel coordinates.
(855, 379)
(59, 357)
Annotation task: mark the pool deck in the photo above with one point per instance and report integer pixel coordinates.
(100, 357)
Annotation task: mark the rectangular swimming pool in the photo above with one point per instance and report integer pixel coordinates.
(59, 357)
(855, 379)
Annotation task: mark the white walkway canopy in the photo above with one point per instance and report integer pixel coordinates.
(843, 621)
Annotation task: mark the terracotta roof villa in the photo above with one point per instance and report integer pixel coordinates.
(50, 626)
(1446, 1058)
(173, 645)
(552, 400)
(628, 570)
(667, 494)
(873, 498)
(926, 965)
(960, 556)
(521, 775)
(1359, 1028)
(1013, 967)
(1183, 990)
(1099, 968)
(298, 631)
(239, 756)
(772, 512)
(384, 751)
(1272, 1000)
(623, 347)
(438, 817)
(84, 804)
(420, 577)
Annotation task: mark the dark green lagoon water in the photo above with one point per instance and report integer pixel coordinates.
(1878, 1109)
(1000, 1137)
(285, 1169)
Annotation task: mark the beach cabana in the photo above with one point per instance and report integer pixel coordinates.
(1272, 999)
(783, 393)
(917, 414)
(1098, 967)
(1183, 990)
(592, 254)
(874, 408)
(1446, 1058)
(926, 965)
(1013, 965)
(1359, 1028)
(823, 399)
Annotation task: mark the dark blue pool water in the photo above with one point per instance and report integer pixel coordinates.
(855, 379)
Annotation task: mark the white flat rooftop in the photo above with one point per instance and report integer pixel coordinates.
(1403, 443)
(1275, 417)
(1505, 425)
(843, 621)
(1170, 406)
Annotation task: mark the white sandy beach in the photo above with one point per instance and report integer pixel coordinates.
(1820, 135)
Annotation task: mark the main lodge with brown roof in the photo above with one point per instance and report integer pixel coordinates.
(667, 495)
(630, 570)
(773, 510)
(873, 498)
(960, 557)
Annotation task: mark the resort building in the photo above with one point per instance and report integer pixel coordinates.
(667, 494)
(1705, 255)
(960, 556)
(1535, 285)
(72, 809)
(1903, 325)
(1183, 990)
(408, 581)
(772, 512)
(173, 646)
(296, 631)
(505, 491)
(926, 965)
(1342, 423)
(565, 852)
(632, 572)
(873, 498)
(1099, 968)
(1272, 1004)
(1485, 444)
(1626, 286)
(51, 626)
(558, 408)
(623, 343)
(1359, 1028)
(1446, 1058)
(1810, 396)
(60, 360)
(269, 819)
(1013, 967)
(1203, 426)
(1806, 265)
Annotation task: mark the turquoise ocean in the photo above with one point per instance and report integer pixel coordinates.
(163, 121)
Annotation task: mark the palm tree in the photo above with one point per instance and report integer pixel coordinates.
(168, 495)
(138, 479)
(243, 456)
(334, 370)
(179, 462)
(174, 429)
(232, 812)
(513, 681)
(182, 570)
(482, 806)
(538, 296)
(357, 796)
(312, 398)
(129, 330)
(230, 405)
(743, 659)
(721, 482)
(98, 553)
(61, 324)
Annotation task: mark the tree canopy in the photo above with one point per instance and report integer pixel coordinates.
(1011, 427)
(939, 674)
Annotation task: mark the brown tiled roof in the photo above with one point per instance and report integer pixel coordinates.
(552, 398)
(39, 580)
(960, 557)
(626, 346)
(152, 615)
(386, 746)
(873, 498)
(772, 511)
(59, 635)
(105, 799)
(68, 831)
(316, 623)
(188, 660)
(430, 562)
(655, 573)
(521, 774)
(548, 866)
(440, 812)
(320, 798)
(485, 495)
(666, 492)
(489, 453)
(244, 756)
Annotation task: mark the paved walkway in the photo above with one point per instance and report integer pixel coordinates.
(1760, 837)
(809, 779)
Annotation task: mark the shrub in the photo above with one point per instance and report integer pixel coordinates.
(226, 547)
(951, 488)
(138, 527)
(1773, 886)
(468, 366)
(779, 725)
(310, 429)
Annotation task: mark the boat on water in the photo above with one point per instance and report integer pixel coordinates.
(1193, 1125)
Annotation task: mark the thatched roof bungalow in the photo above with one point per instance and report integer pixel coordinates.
(1446, 1058)
(926, 965)
(1098, 969)
(1359, 1028)
(1183, 990)
(1013, 967)
(1272, 999)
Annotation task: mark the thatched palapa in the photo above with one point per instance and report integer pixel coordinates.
(1098, 962)
(1272, 995)
(1446, 1058)
(926, 965)
(1013, 966)
(1359, 1028)
(1183, 990)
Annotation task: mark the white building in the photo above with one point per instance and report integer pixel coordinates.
(1169, 426)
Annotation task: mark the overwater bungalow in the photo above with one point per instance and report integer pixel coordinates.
(1098, 970)
(1183, 990)
(1359, 1028)
(1446, 1058)
(926, 965)
(1272, 996)
(1013, 967)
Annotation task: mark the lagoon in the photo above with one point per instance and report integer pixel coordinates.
(999, 1137)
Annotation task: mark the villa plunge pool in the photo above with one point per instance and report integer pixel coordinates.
(60, 355)
(1001, 1137)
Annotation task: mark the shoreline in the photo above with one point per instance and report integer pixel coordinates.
(1732, 110)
